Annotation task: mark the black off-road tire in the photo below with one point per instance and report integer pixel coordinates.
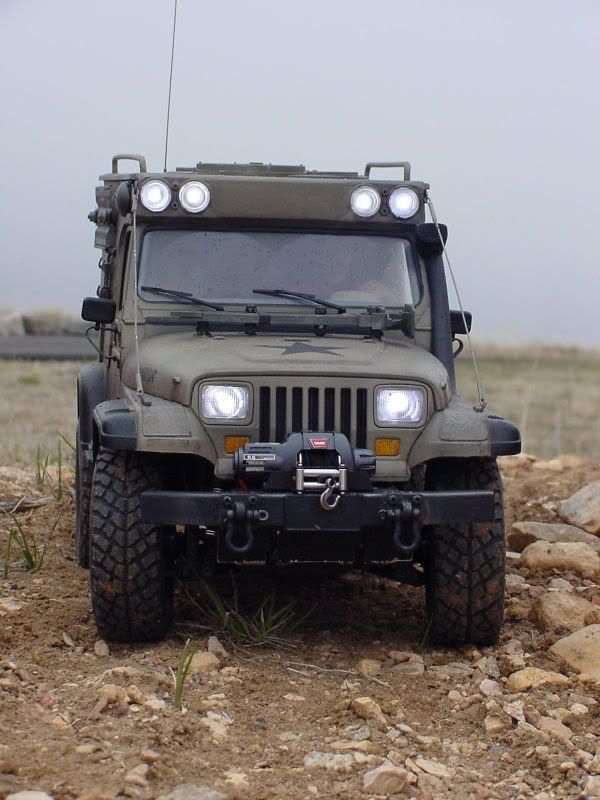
(83, 490)
(131, 575)
(465, 564)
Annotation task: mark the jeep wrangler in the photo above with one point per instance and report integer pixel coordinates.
(275, 387)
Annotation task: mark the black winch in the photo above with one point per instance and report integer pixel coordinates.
(307, 462)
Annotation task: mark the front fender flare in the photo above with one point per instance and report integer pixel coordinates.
(116, 425)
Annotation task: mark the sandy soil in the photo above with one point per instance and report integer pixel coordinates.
(246, 728)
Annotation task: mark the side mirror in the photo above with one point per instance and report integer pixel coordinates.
(457, 324)
(99, 310)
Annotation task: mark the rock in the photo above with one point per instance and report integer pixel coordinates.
(590, 790)
(8, 605)
(409, 668)
(336, 762)
(387, 778)
(493, 723)
(561, 585)
(574, 557)
(215, 646)
(350, 746)
(204, 662)
(192, 791)
(454, 669)
(490, 688)
(358, 732)
(137, 776)
(110, 695)
(101, 649)
(523, 534)
(581, 650)
(217, 723)
(367, 708)
(489, 666)
(368, 666)
(294, 698)
(531, 677)
(29, 795)
(555, 728)
(593, 616)
(516, 582)
(583, 508)
(433, 767)
(555, 611)
(11, 323)
(400, 656)
(150, 756)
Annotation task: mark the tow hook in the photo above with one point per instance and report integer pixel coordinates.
(239, 525)
(329, 501)
(404, 516)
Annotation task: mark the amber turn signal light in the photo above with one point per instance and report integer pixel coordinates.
(233, 443)
(387, 447)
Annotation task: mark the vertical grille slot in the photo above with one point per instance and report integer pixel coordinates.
(329, 418)
(264, 419)
(313, 409)
(296, 409)
(346, 412)
(361, 418)
(280, 420)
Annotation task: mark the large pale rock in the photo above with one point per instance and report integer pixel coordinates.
(192, 791)
(336, 762)
(583, 508)
(561, 557)
(581, 650)
(523, 534)
(11, 323)
(387, 778)
(204, 662)
(531, 677)
(367, 708)
(556, 611)
(29, 795)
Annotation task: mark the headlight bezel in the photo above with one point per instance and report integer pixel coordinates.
(404, 213)
(147, 187)
(370, 191)
(197, 186)
(401, 423)
(244, 419)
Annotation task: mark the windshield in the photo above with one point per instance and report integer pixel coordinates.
(226, 266)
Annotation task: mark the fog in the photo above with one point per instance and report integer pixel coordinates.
(495, 105)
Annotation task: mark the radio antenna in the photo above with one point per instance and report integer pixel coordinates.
(170, 83)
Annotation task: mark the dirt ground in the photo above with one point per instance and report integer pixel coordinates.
(251, 727)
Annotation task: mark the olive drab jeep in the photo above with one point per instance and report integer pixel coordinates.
(275, 387)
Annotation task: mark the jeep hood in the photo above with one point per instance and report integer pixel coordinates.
(171, 364)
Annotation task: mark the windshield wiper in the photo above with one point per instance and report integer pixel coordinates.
(183, 295)
(303, 296)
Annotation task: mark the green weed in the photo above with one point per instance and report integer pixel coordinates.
(268, 624)
(183, 667)
(32, 556)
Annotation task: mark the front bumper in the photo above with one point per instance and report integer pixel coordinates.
(374, 527)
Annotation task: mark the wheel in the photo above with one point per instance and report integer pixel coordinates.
(464, 564)
(83, 489)
(131, 576)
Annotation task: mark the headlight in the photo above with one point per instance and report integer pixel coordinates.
(396, 405)
(194, 196)
(404, 202)
(225, 402)
(155, 195)
(365, 201)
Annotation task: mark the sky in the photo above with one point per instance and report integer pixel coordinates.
(495, 104)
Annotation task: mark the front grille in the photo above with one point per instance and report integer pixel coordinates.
(312, 408)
